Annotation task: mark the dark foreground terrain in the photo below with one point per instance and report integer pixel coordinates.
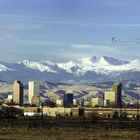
(68, 133)
(36, 128)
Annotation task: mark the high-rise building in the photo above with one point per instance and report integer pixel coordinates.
(18, 92)
(117, 88)
(68, 100)
(33, 90)
(114, 96)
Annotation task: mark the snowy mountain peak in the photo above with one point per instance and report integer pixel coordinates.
(86, 61)
(90, 68)
(108, 60)
(4, 68)
(43, 67)
(99, 60)
(67, 66)
(99, 65)
(115, 61)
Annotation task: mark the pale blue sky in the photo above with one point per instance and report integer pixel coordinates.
(62, 30)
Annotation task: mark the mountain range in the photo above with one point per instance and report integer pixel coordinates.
(91, 69)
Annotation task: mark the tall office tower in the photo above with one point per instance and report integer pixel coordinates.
(18, 92)
(33, 90)
(117, 88)
(68, 100)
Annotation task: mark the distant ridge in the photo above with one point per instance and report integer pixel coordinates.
(91, 69)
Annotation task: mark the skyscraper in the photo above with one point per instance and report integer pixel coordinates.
(18, 92)
(117, 88)
(33, 90)
(68, 100)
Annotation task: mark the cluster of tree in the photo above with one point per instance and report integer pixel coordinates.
(10, 112)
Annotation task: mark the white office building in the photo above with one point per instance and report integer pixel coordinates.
(33, 90)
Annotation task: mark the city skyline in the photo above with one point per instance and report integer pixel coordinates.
(60, 30)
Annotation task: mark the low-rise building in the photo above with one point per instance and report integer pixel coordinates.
(35, 100)
(87, 103)
(111, 97)
(75, 102)
(60, 103)
(89, 113)
(106, 103)
(96, 101)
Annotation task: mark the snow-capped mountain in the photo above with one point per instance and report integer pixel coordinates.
(104, 65)
(4, 68)
(42, 67)
(82, 70)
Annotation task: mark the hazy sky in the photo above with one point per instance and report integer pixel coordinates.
(61, 30)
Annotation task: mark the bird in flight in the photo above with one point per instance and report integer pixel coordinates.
(118, 40)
